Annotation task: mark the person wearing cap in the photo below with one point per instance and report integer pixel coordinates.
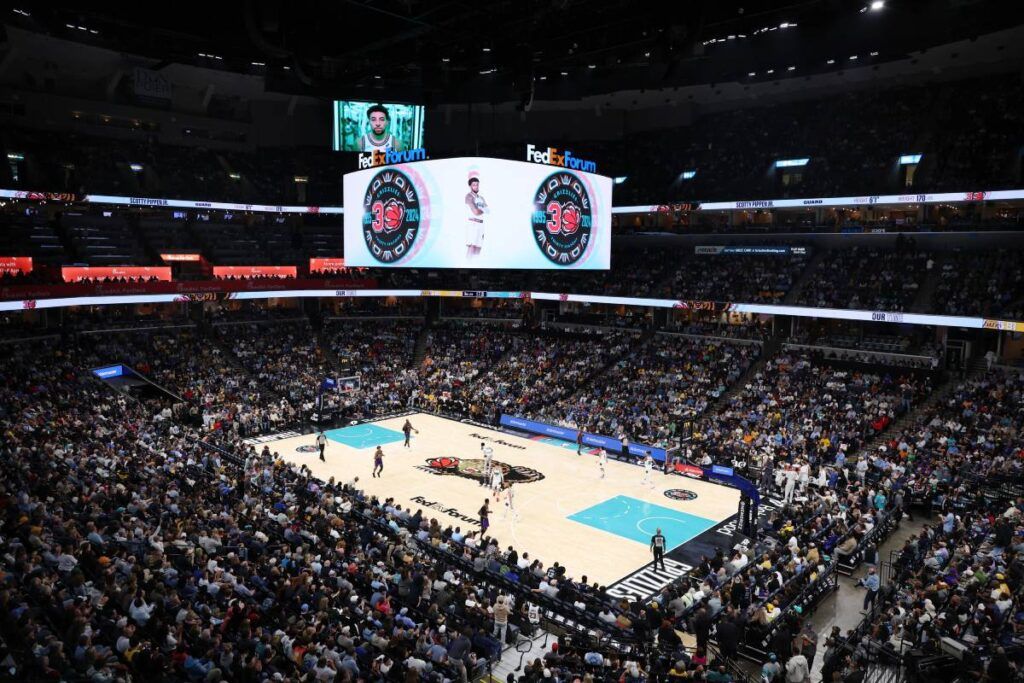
(771, 669)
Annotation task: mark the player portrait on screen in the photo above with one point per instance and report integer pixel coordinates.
(477, 207)
(379, 137)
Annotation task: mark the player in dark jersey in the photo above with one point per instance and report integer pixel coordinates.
(408, 429)
(484, 513)
(658, 548)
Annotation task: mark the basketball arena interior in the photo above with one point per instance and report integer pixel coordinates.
(536, 340)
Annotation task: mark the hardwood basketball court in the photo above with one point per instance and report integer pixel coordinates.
(596, 527)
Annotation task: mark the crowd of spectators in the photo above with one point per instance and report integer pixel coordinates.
(960, 576)
(130, 551)
(541, 368)
(130, 547)
(806, 406)
(456, 354)
(867, 279)
(986, 283)
(381, 354)
(745, 278)
(650, 394)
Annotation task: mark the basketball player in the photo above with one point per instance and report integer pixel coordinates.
(484, 513)
(579, 442)
(488, 462)
(648, 468)
(791, 476)
(408, 429)
(378, 462)
(321, 443)
(475, 220)
(378, 139)
(497, 481)
(602, 462)
(510, 503)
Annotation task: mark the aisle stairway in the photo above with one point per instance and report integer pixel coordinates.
(808, 274)
(769, 350)
(940, 393)
(923, 299)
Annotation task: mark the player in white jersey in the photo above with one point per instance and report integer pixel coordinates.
(510, 503)
(488, 462)
(378, 138)
(477, 207)
(648, 468)
(497, 479)
(602, 461)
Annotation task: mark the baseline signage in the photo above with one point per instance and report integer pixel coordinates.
(727, 476)
(83, 273)
(319, 265)
(109, 372)
(477, 213)
(609, 443)
(255, 271)
(15, 264)
(180, 258)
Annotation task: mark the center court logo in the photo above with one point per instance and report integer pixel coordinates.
(391, 216)
(562, 218)
(473, 468)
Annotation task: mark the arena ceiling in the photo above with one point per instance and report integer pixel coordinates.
(507, 50)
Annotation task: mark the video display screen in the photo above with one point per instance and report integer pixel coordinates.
(367, 126)
(477, 213)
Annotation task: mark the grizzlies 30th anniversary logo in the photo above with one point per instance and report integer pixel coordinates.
(391, 216)
(562, 218)
(473, 468)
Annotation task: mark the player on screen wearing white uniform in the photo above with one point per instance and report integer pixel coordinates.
(488, 462)
(510, 503)
(477, 206)
(648, 468)
(602, 461)
(497, 481)
(379, 138)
